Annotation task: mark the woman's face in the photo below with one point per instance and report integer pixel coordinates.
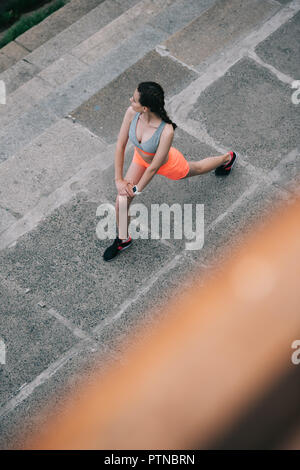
(135, 103)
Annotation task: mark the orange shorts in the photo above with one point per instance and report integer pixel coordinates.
(176, 167)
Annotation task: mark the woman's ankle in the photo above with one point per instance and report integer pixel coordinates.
(228, 157)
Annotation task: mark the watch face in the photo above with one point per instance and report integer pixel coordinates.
(134, 189)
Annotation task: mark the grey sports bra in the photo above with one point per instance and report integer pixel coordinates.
(150, 146)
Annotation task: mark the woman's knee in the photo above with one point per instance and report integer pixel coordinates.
(195, 168)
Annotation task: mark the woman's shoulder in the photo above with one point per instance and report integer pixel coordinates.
(130, 113)
(167, 134)
(168, 129)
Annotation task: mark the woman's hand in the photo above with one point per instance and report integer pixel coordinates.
(124, 188)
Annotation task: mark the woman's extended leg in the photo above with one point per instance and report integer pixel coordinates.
(207, 164)
(133, 175)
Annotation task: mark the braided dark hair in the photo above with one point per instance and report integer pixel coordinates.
(152, 95)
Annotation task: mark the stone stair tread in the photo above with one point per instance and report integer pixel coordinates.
(223, 23)
(48, 28)
(66, 67)
(102, 41)
(52, 49)
(54, 174)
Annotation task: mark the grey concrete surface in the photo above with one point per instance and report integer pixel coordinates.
(145, 312)
(48, 240)
(44, 31)
(32, 337)
(282, 50)
(177, 16)
(216, 194)
(66, 98)
(23, 99)
(225, 22)
(61, 195)
(93, 49)
(6, 219)
(45, 52)
(45, 165)
(120, 29)
(116, 94)
(62, 70)
(18, 423)
(54, 254)
(96, 19)
(18, 74)
(22, 131)
(54, 24)
(65, 68)
(14, 51)
(287, 172)
(5, 62)
(253, 210)
(250, 110)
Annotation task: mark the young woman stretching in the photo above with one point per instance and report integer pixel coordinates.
(148, 126)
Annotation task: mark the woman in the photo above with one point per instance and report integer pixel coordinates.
(148, 126)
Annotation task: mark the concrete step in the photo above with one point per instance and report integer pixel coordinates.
(75, 61)
(45, 163)
(225, 23)
(199, 30)
(63, 250)
(62, 42)
(49, 241)
(40, 168)
(64, 98)
(44, 31)
(98, 45)
(44, 173)
(35, 172)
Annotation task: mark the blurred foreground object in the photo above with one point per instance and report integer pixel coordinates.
(216, 373)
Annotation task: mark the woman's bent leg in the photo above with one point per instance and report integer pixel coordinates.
(133, 175)
(129, 200)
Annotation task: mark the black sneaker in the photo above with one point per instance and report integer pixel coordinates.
(225, 169)
(114, 249)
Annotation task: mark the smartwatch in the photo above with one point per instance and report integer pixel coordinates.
(136, 190)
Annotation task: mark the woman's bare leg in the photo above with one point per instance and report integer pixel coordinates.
(207, 164)
(129, 200)
(133, 175)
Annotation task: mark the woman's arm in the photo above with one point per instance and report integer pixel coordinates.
(122, 142)
(160, 157)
